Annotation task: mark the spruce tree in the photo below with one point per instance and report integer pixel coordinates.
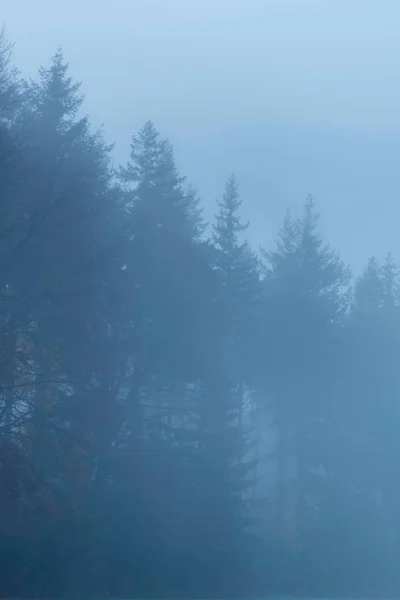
(238, 270)
(60, 235)
(306, 296)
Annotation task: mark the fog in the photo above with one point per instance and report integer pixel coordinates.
(199, 299)
(294, 96)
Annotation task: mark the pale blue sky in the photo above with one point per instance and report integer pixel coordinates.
(296, 96)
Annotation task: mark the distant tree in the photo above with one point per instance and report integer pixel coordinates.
(240, 286)
(306, 297)
(58, 261)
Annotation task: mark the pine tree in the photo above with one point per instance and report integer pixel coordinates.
(306, 297)
(228, 226)
(168, 264)
(369, 292)
(238, 270)
(58, 263)
(363, 433)
(166, 235)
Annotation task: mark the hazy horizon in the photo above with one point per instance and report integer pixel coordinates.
(296, 97)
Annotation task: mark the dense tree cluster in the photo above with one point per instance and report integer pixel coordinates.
(134, 345)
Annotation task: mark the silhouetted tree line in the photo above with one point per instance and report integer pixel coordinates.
(132, 343)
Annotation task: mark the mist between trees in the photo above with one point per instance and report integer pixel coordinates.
(181, 416)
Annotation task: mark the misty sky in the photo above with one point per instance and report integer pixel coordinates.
(295, 96)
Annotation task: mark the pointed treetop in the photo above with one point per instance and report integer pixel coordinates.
(305, 265)
(368, 292)
(55, 96)
(153, 183)
(228, 224)
(151, 160)
(310, 221)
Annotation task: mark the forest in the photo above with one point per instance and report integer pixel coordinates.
(136, 340)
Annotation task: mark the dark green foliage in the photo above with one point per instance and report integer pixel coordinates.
(138, 359)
